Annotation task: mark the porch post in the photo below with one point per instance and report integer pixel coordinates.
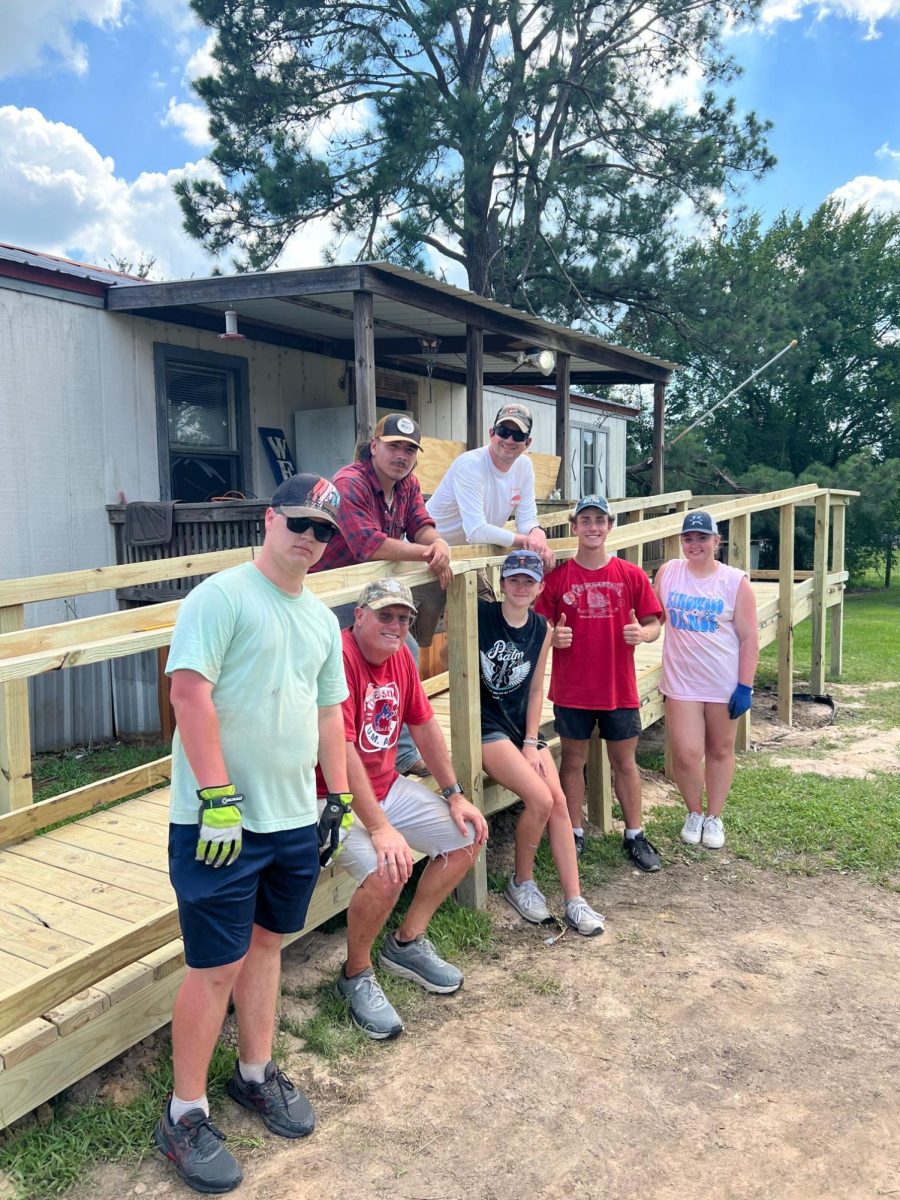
(658, 478)
(562, 423)
(474, 386)
(739, 556)
(364, 363)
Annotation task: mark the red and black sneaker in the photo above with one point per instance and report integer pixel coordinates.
(196, 1148)
(283, 1107)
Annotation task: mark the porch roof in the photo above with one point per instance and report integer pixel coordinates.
(313, 310)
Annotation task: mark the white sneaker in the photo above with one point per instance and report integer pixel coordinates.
(528, 901)
(713, 833)
(692, 830)
(582, 918)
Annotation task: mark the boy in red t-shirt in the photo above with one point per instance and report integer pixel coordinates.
(601, 607)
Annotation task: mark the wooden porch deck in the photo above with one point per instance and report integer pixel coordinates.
(91, 958)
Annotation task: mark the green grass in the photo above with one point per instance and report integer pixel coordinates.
(802, 824)
(871, 650)
(56, 773)
(45, 1162)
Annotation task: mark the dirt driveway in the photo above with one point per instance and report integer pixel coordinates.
(734, 1034)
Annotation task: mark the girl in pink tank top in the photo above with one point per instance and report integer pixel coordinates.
(709, 660)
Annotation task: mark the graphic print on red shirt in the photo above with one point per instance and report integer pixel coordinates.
(382, 699)
(597, 670)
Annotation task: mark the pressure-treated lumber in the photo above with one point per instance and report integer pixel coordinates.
(15, 729)
(465, 714)
(838, 532)
(820, 584)
(786, 528)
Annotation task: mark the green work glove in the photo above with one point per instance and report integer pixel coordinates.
(220, 825)
(336, 815)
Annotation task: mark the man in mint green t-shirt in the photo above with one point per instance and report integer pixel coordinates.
(257, 684)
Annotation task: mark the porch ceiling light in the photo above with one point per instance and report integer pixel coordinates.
(544, 360)
(231, 330)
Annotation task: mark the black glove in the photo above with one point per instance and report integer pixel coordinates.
(336, 815)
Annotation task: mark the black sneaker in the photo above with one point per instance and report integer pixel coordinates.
(642, 853)
(579, 844)
(195, 1146)
(283, 1108)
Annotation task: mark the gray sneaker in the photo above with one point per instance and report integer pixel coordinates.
(582, 918)
(196, 1148)
(528, 901)
(282, 1106)
(420, 962)
(369, 1007)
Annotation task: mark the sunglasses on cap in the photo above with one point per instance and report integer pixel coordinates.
(322, 531)
(504, 431)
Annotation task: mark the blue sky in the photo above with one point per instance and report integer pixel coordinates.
(97, 119)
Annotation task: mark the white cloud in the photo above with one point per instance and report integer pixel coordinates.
(867, 12)
(191, 119)
(201, 62)
(893, 156)
(868, 191)
(39, 32)
(61, 196)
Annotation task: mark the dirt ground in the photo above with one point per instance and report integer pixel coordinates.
(734, 1034)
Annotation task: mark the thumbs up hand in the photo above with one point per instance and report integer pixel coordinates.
(634, 631)
(562, 634)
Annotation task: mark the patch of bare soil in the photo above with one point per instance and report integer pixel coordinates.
(733, 1034)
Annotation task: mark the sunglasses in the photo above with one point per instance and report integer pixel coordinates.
(504, 432)
(386, 618)
(322, 531)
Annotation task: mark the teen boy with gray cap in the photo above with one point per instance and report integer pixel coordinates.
(395, 815)
(257, 685)
(601, 608)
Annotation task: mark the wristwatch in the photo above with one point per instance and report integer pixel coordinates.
(455, 789)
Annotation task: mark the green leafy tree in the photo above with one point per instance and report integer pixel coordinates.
(833, 282)
(532, 144)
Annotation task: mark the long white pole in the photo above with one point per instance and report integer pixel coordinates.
(734, 391)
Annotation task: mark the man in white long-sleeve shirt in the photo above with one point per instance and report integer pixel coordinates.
(483, 487)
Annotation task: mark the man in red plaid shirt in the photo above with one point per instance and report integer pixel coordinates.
(382, 505)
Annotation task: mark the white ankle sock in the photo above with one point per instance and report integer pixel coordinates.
(578, 832)
(178, 1107)
(632, 833)
(252, 1072)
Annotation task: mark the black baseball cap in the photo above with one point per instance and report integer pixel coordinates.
(398, 427)
(699, 522)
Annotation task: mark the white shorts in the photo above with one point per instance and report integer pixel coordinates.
(419, 814)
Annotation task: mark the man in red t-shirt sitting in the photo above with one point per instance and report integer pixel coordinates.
(395, 815)
(601, 608)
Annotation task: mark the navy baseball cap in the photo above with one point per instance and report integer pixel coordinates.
(592, 501)
(523, 562)
(699, 522)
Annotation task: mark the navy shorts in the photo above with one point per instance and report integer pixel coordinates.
(615, 724)
(270, 884)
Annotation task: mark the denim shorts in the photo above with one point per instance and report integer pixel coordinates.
(270, 884)
(615, 724)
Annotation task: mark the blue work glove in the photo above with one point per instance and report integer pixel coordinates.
(740, 701)
(221, 829)
(336, 815)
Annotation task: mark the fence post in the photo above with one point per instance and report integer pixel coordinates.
(633, 554)
(820, 589)
(599, 784)
(672, 544)
(15, 728)
(786, 614)
(836, 612)
(465, 715)
(739, 556)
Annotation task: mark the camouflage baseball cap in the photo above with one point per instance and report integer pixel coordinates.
(381, 593)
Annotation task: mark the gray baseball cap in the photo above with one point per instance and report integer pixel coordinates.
(592, 501)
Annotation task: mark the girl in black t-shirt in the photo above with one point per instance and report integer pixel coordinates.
(513, 645)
